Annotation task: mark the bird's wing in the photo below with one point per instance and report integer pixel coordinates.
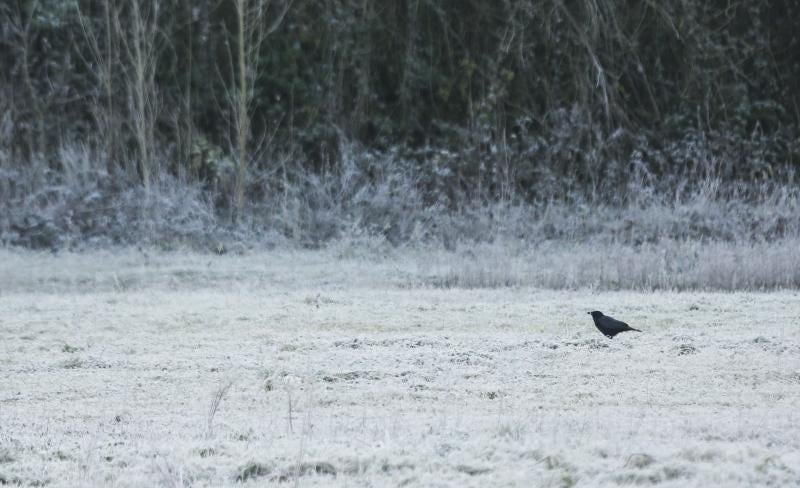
(613, 324)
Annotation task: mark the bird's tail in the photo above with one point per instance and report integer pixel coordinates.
(635, 330)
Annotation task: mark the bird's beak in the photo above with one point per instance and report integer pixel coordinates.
(588, 313)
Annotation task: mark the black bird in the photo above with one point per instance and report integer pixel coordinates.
(610, 326)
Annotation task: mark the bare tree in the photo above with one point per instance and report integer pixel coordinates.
(103, 56)
(253, 29)
(139, 42)
(20, 24)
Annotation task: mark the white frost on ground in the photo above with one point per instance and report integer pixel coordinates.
(339, 372)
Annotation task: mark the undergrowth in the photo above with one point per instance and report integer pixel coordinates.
(73, 203)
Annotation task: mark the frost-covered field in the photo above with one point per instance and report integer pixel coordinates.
(312, 368)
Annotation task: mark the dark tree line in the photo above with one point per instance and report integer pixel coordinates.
(480, 97)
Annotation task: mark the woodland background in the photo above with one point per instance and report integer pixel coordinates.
(212, 122)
